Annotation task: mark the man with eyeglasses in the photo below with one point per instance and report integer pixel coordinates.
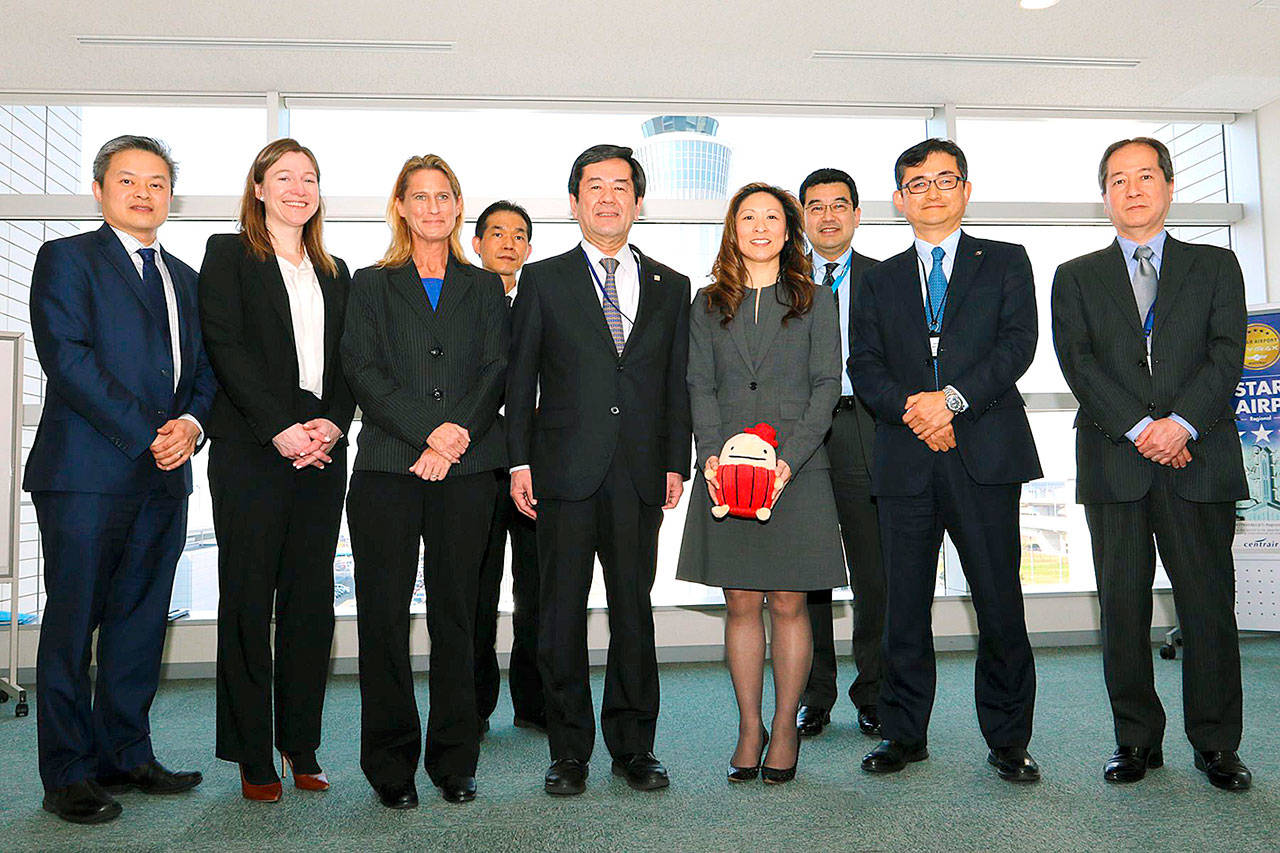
(831, 214)
(942, 332)
(1150, 333)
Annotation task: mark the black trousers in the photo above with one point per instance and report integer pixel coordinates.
(860, 530)
(388, 514)
(108, 565)
(615, 524)
(277, 532)
(522, 675)
(1195, 547)
(983, 523)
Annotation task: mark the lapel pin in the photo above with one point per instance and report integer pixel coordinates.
(656, 277)
(977, 253)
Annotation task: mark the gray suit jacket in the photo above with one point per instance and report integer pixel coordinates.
(794, 386)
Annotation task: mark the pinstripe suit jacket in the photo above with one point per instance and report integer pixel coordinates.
(1197, 357)
(412, 368)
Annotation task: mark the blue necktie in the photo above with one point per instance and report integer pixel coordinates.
(937, 290)
(153, 287)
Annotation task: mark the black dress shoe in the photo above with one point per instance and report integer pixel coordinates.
(1225, 770)
(537, 723)
(890, 756)
(1131, 763)
(642, 771)
(810, 721)
(401, 796)
(151, 778)
(81, 802)
(458, 789)
(566, 777)
(1014, 764)
(869, 720)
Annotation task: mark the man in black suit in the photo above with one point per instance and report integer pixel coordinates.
(1150, 333)
(503, 238)
(831, 213)
(603, 330)
(942, 333)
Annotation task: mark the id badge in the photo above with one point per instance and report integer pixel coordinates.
(934, 340)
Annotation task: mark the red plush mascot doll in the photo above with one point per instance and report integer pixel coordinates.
(747, 474)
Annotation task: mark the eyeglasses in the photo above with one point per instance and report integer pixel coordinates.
(836, 207)
(944, 183)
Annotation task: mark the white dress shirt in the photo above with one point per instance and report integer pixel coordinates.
(131, 246)
(626, 279)
(924, 252)
(306, 309)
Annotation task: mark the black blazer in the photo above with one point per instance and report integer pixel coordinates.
(594, 402)
(412, 368)
(858, 266)
(248, 332)
(988, 340)
(1197, 357)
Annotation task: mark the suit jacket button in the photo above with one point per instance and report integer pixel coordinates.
(618, 368)
(438, 394)
(160, 412)
(613, 410)
(164, 371)
(437, 352)
(754, 385)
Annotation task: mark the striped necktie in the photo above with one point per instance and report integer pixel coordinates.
(612, 314)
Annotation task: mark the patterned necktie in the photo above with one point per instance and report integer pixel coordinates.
(1145, 281)
(612, 314)
(829, 279)
(937, 290)
(153, 287)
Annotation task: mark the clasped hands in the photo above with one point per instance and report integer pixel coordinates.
(929, 418)
(1165, 442)
(782, 476)
(174, 443)
(445, 447)
(309, 443)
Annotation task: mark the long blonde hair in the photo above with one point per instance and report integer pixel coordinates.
(253, 213)
(401, 248)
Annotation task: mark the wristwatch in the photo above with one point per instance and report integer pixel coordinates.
(955, 402)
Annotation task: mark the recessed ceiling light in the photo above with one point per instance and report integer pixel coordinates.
(1037, 4)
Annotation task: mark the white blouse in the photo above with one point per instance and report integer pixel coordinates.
(306, 308)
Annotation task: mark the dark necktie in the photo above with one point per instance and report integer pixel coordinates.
(829, 279)
(153, 287)
(612, 314)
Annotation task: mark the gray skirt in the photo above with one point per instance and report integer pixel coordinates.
(797, 549)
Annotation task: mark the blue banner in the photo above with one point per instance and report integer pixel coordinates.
(1258, 422)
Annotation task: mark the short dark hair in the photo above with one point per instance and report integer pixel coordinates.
(503, 205)
(112, 147)
(918, 153)
(600, 153)
(829, 176)
(1163, 157)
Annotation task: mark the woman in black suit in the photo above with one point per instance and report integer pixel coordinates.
(272, 303)
(425, 350)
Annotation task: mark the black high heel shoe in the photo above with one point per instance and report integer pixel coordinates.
(746, 774)
(776, 776)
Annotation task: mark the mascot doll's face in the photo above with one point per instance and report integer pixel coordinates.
(747, 449)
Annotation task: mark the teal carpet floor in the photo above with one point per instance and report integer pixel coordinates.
(953, 801)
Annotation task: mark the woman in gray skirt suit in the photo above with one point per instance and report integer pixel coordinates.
(764, 346)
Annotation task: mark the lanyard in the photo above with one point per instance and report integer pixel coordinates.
(591, 268)
(935, 322)
(839, 279)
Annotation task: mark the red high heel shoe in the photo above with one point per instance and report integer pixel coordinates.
(304, 781)
(269, 793)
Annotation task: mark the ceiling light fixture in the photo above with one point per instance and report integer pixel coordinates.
(1037, 4)
(264, 43)
(983, 59)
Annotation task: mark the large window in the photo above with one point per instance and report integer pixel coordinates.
(694, 161)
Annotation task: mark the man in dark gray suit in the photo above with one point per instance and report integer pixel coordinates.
(831, 214)
(1150, 335)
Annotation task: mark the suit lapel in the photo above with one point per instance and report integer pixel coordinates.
(1115, 278)
(650, 281)
(457, 282)
(582, 291)
(277, 295)
(332, 325)
(911, 302)
(406, 281)
(114, 251)
(184, 291)
(770, 331)
(1173, 274)
(969, 255)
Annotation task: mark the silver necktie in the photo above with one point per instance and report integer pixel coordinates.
(1145, 281)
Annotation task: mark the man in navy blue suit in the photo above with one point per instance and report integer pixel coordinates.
(942, 333)
(113, 317)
